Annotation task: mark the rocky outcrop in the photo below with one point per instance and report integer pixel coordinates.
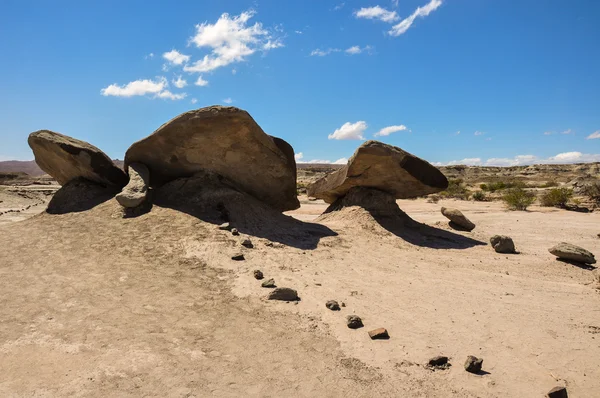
(66, 159)
(383, 167)
(226, 141)
(570, 252)
(457, 219)
(135, 192)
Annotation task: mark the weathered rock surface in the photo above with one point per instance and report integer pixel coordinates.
(569, 252)
(379, 334)
(283, 294)
(226, 141)
(269, 283)
(354, 322)
(473, 364)
(384, 167)
(136, 191)
(66, 158)
(457, 219)
(78, 195)
(502, 244)
(332, 305)
(558, 392)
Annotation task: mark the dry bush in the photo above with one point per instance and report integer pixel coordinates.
(556, 197)
(518, 199)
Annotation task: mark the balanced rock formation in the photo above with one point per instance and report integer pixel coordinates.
(136, 190)
(569, 252)
(383, 167)
(457, 219)
(66, 159)
(502, 244)
(226, 141)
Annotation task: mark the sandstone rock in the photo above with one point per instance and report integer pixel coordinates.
(558, 392)
(136, 190)
(569, 252)
(225, 227)
(354, 322)
(283, 294)
(269, 283)
(384, 167)
(78, 195)
(502, 244)
(238, 257)
(226, 141)
(247, 243)
(66, 158)
(258, 274)
(379, 334)
(332, 305)
(458, 219)
(473, 364)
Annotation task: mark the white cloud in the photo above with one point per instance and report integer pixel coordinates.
(479, 133)
(166, 94)
(341, 161)
(595, 135)
(523, 160)
(567, 157)
(193, 100)
(176, 58)
(151, 55)
(566, 132)
(228, 100)
(349, 131)
(457, 133)
(180, 83)
(377, 12)
(389, 130)
(548, 133)
(339, 6)
(421, 12)
(234, 71)
(322, 53)
(298, 32)
(231, 40)
(357, 49)
(201, 82)
(298, 156)
(137, 87)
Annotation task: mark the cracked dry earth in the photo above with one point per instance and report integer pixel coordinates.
(98, 305)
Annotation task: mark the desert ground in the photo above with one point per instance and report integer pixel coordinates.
(96, 304)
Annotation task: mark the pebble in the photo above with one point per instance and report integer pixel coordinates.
(332, 305)
(258, 274)
(270, 283)
(354, 322)
(379, 334)
(473, 364)
(238, 257)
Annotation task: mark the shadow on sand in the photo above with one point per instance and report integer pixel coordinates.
(79, 195)
(587, 267)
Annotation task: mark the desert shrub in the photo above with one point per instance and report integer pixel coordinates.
(518, 198)
(433, 198)
(592, 191)
(483, 187)
(549, 184)
(456, 189)
(556, 197)
(500, 185)
(479, 196)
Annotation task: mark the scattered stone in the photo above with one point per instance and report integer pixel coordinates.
(379, 334)
(473, 364)
(283, 294)
(136, 190)
(439, 362)
(270, 283)
(354, 322)
(235, 232)
(258, 274)
(343, 304)
(247, 243)
(66, 159)
(558, 392)
(384, 167)
(238, 257)
(332, 305)
(569, 252)
(457, 219)
(221, 140)
(502, 244)
(225, 227)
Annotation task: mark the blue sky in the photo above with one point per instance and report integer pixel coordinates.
(453, 81)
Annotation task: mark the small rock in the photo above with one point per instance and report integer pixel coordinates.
(457, 219)
(438, 362)
(238, 257)
(502, 244)
(247, 243)
(332, 305)
(379, 334)
(569, 252)
(343, 304)
(473, 364)
(283, 294)
(354, 322)
(235, 232)
(270, 283)
(558, 392)
(258, 274)
(225, 226)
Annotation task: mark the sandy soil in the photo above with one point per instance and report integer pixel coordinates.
(98, 305)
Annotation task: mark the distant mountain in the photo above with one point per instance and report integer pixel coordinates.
(24, 166)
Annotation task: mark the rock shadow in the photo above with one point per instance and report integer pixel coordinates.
(587, 267)
(79, 195)
(214, 199)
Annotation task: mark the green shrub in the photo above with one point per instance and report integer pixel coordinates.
(556, 197)
(592, 191)
(479, 196)
(518, 198)
(500, 185)
(456, 189)
(483, 187)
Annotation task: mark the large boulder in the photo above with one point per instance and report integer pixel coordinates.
(569, 252)
(135, 192)
(66, 159)
(457, 219)
(383, 167)
(226, 141)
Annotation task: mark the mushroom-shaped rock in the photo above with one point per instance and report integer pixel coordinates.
(66, 159)
(136, 190)
(569, 252)
(383, 167)
(457, 219)
(226, 141)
